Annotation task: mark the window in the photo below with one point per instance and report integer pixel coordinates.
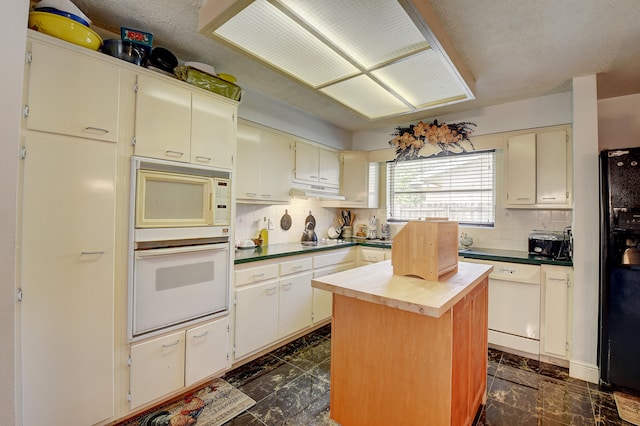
(459, 187)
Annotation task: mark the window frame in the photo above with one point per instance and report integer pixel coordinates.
(448, 157)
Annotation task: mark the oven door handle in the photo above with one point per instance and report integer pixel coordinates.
(177, 250)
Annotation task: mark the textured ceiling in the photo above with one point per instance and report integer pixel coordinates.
(514, 49)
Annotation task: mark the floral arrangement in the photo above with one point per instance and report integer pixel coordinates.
(424, 140)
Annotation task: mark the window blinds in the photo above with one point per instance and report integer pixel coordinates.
(459, 187)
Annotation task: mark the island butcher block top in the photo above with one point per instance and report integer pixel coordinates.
(376, 283)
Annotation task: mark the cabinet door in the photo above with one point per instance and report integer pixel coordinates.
(213, 132)
(555, 313)
(157, 368)
(248, 162)
(354, 181)
(256, 317)
(73, 94)
(207, 350)
(329, 167)
(163, 120)
(275, 167)
(306, 158)
(68, 213)
(520, 179)
(295, 304)
(551, 150)
(322, 299)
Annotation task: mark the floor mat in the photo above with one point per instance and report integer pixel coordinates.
(212, 405)
(628, 407)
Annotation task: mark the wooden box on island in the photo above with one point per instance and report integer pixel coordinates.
(426, 249)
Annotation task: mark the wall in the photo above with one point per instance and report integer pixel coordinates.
(268, 112)
(586, 230)
(619, 122)
(527, 114)
(249, 220)
(13, 24)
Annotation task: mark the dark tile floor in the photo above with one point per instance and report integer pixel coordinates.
(291, 387)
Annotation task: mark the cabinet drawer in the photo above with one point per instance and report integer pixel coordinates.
(295, 266)
(369, 255)
(254, 275)
(333, 258)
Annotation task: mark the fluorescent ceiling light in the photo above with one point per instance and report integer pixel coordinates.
(380, 58)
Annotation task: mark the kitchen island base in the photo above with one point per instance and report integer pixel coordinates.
(395, 367)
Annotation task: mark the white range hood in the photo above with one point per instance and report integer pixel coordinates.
(302, 190)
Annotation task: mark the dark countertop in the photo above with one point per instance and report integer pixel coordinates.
(274, 251)
(513, 256)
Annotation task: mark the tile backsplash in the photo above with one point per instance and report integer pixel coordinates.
(511, 231)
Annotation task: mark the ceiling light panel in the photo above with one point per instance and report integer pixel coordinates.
(364, 95)
(424, 79)
(371, 32)
(266, 32)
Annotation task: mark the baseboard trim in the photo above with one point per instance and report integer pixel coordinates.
(584, 371)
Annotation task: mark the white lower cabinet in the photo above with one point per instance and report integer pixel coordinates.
(275, 300)
(166, 364)
(556, 326)
(256, 317)
(295, 304)
(325, 264)
(207, 350)
(157, 368)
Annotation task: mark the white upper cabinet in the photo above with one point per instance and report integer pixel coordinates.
(551, 180)
(213, 131)
(358, 181)
(328, 167)
(176, 123)
(72, 94)
(520, 159)
(316, 165)
(248, 162)
(538, 169)
(263, 166)
(163, 120)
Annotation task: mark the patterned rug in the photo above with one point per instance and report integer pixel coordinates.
(628, 407)
(212, 405)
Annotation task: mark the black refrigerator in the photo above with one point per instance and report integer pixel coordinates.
(619, 319)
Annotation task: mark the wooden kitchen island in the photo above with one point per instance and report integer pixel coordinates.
(406, 351)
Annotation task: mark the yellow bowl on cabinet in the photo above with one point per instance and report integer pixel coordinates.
(64, 28)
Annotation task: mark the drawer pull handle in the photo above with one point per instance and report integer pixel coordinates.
(256, 276)
(171, 153)
(523, 198)
(89, 253)
(252, 194)
(556, 279)
(297, 268)
(203, 159)
(271, 290)
(286, 286)
(168, 345)
(197, 336)
(96, 130)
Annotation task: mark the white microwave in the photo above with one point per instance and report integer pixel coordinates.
(172, 201)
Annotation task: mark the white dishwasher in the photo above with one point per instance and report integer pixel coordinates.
(514, 306)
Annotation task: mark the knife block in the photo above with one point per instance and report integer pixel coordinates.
(426, 249)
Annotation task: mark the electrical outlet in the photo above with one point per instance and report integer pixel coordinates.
(270, 225)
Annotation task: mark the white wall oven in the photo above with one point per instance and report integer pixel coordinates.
(179, 250)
